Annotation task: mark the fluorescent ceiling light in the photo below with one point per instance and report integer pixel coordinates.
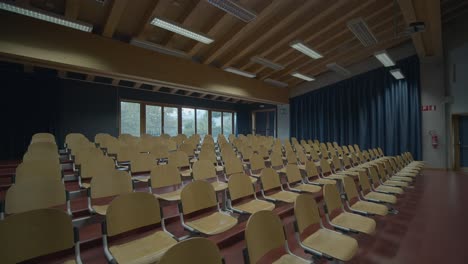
(298, 45)
(240, 72)
(397, 74)
(303, 76)
(360, 29)
(384, 58)
(267, 63)
(181, 30)
(159, 48)
(338, 69)
(275, 83)
(234, 9)
(46, 16)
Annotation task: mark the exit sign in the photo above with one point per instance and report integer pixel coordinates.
(426, 108)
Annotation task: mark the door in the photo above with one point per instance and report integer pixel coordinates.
(265, 123)
(463, 135)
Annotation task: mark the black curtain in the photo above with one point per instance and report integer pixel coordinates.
(372, 110)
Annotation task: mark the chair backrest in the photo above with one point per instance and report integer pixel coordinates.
(350, 188)
(374, 176)
(197, 250)
(325, 167)
(356, 147)
(380, 152)
(336, 163)
(240, 186)
(263, 233)
(232, 166)
(165, 175)
(142, 162)
(38, 170)
(187, 148)
(306, 211)
(311, 169)
(269, 179)
(43, 146)
(34, 194)
(331, 197)
(330, 146)
(43, 137)
(35, 233)
(171, 144)
(74, 139)
(364, 182)
(86, 152)
(203, 169)
(351, 148)
(206, 154)
(301, 156)
(345, 150)
(96, 166)
(276, 159)
(131, 211)
(160, 151)
(179, 158)
(196, 196)
(40, 155)
(257, 162)
(293, 174)
(111, 184)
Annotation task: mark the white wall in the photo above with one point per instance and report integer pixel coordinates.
(283, 121)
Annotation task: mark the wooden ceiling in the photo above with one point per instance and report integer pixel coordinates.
(320, 24)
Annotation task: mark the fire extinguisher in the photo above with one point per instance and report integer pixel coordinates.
(434, 138)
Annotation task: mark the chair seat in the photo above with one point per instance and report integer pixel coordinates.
(406, 174)
(389, 189)
(141, 178)
(219, 168)
(186, 173)
(169, 196)
(401, 178)
(254, 206)
(396, 183)
(148, 249)
(290, 259)
(85, 185)
(332, 243)
(100, 209)
(307, 188)
(324, 181)
(355, 222)
(348, 173)
(284, 196)
(282, 170)
(193, 160)
(381, 197)
(301, 167)
(368, 207)
(336, 176)
(213, 224)
(219, 186)
(253, 179)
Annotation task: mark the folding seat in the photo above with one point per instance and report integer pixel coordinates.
(205, 170)
(101, 138)
(242, 196)
(348, 167)
(129, 212)
(351, 149)
(181, 160)
(94, 167)
(263, 152)
(310, 142)
(43, 146)
(312, 172)
(321, 242)
(277, 163)
(346, 151)
(327, 172)
(111, 146)
(356, 148)
(264, 233)
(315, 157)
(35, 194)
(339, 152)
(40, 154)
(197, 197)
(379, 187)
(84, 152)
(301, 159)
(43, 137)
(296, 183)
(171, 145)
(400, 176)
(325, 154)
(106, 185)
(372, 196)
(388, 182)
(288, 147)
(257, 164)
(291, 157)
(234, 166)
(330, 147)
(197, 250)
(141, 164)
(342, 220)
(272, 189)
(247, 153)
(211, 156)
(74, 139)
(402, 172)
(414, 162)
(187, 149)
(160, 152)
(316, 141)
(356, 205)
(307, 149)
(165, 176)
(38, 170)
(35, 236)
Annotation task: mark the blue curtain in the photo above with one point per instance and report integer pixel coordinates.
(372, 110)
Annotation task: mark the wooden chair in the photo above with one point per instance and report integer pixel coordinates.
(272, 189)
(242, 196)
(109, 184)
(166, 175)
(356, 205)
(205, 170)
(295, 182)
(194, 250)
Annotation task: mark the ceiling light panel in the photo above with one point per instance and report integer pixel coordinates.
(46, 16)
(384, 58)
(240, 72)
(338, 69)
(233, 8)
(397, 74)
(159, 48)
(362, 32)
(303, 76)
(267, 63)
(181, 30)
(301, 47)
(276, 83)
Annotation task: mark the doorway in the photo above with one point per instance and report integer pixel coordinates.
(264, 122)
(460, 129)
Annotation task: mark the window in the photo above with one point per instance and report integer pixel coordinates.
(153, 120)
(216, 128)
(171, 121)
(202, 122)
(130, 118)
(188, 121)
(227, 123)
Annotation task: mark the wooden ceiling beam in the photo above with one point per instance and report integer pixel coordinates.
(72, 9)
(330, 7)
(433, 16)
(301, 60)
(116, 11)
(158, 9)
(192, 13)
(268, 13)
(409, 14)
